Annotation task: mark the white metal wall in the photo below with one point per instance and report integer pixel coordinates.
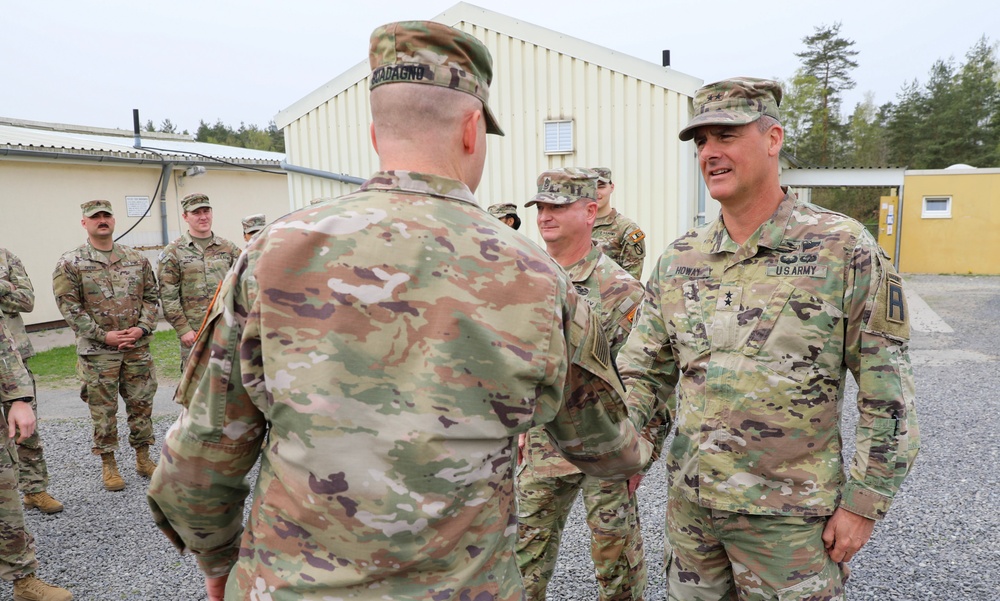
(621, 122)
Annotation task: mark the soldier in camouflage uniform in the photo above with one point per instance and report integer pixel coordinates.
(380, 353)
(507, 213)
(18, 296)
(189, 270)
(618, 236)
(251, 225)
(547, 484)
(754, 321)
(107, 294)
(17, 418)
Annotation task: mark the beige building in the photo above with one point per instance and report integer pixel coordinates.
(561, 101)
(47, 170)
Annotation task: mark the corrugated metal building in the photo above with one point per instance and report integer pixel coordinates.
(47, 170)
(604, 107)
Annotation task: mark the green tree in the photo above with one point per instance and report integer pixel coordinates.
(799, 109)
(829, 58)
(867, 141)
(904, 129)
(977, 90)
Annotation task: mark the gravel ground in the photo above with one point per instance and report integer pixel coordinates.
(939, 541)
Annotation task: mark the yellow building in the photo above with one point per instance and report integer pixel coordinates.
(949, 221)
(48, 169)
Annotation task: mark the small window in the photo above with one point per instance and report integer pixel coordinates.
(936, 207)
(558, 137)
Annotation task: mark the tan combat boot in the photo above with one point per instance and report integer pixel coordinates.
(109, 473)
(143, 464)
(43, 501)
(30, 588)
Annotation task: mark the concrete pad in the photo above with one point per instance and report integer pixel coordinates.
(922, 317)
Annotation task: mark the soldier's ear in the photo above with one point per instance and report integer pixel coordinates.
(371, 129)
(470, 131)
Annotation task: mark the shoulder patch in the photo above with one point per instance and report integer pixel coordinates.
(599, 349)
(636, 236)
(890, 314)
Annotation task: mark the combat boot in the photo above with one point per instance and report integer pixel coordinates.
(143, 464)
(43, 501)
(31, 588)
(109, 473)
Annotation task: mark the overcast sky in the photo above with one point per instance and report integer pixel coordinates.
(91, 62)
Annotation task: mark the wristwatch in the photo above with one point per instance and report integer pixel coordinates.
(145, 332)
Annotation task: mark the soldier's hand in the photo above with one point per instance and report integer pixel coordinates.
(216, 587)
(113, 338)
(20, 417)
(521, 439)
(188, 338)
(845, 533)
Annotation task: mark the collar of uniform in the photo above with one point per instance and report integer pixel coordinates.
(607, 219)
(100, 257)
(189, 239)
(769, 234)
(582, 269)
(420, 183)
(772, 231)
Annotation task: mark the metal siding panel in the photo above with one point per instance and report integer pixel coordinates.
(627, 124)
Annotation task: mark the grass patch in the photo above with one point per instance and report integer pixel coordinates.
(56, 368)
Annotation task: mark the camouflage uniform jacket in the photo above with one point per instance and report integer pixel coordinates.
(621, 239)
(757, 338)
(188, 278)
(380, 352)
(16, 296)
(615, 296)
(15, 383)
(97, 295)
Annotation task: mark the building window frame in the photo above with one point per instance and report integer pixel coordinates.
(932, 209)
(558, 136)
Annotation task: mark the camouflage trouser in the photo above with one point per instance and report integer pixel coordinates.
(714, 555)
(34, 474)
(17, 547)
(105, 376)
(613, 517)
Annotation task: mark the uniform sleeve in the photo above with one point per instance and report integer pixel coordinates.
(168, 273)
(648, 368)
(591, 428)
(876, 352)
(67, 289)
(633, 251)
(150, 296)
(199, 489)
(16, 292)
(15, 382)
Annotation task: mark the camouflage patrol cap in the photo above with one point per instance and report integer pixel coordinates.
(254, 223)
(736, 101)
(194, 201)
(603, 174)
(502, 210)
(93, 207)
(431, 53)
(565, 186)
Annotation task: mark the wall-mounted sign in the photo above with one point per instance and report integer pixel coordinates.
(136, 205)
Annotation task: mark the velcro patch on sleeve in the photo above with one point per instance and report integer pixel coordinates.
(599, 348)
(636, 236)
(890, 315)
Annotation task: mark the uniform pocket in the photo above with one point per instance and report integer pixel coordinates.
(827, 585)
(796, 333)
